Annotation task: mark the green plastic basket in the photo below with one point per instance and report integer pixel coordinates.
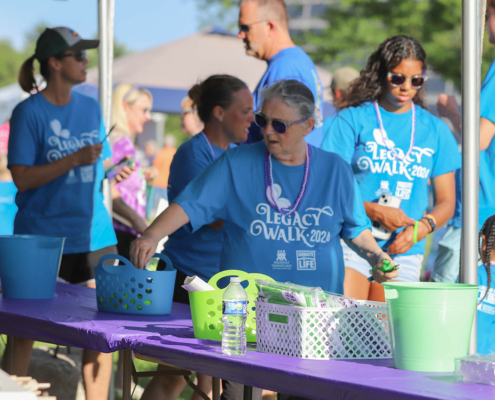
(206, 307)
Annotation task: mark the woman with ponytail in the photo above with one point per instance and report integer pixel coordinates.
(56, 153)
(486, 295)
(225, 106)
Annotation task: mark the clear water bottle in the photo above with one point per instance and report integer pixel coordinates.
(234, 319)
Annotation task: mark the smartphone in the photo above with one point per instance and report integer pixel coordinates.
(386, 200)
(114, 170)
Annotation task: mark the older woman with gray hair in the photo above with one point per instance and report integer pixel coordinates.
(285, 204)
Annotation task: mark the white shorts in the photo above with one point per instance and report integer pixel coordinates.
(409, 266)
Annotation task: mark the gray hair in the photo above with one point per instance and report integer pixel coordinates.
(294, 93)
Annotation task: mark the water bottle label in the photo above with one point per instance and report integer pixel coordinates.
(235, 307)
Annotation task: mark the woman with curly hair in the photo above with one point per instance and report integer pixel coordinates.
(395, 146)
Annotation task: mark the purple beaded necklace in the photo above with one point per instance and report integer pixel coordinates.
(286, 211)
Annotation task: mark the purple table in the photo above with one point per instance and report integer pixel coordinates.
(72, 319)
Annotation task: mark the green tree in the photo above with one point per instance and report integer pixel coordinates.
(357, 27)
(10, 62)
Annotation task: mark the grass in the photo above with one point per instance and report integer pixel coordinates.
(140, 365)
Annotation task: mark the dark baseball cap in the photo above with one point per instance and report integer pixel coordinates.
(54, 40)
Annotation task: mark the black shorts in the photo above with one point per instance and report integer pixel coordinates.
(180, 294)
(78, 268)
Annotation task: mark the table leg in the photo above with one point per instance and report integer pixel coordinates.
(10, 352)
(216, 389)
(127, 370)
(248, 392)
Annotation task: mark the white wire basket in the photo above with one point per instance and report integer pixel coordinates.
(324, 333)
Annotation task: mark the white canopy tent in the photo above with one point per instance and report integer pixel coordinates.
(169, 70)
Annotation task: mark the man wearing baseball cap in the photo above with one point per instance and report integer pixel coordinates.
(56, 160)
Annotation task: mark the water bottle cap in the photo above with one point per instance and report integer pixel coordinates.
(235, 279)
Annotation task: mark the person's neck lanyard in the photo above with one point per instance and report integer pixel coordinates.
(211, 146)
(385, 137)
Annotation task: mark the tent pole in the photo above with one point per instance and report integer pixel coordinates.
(471, 77)
(103, 59)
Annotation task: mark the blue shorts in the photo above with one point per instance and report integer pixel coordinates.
(409, 266)
(446, 267)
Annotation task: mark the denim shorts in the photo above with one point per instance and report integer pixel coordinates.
(446, 266)
(409, 266)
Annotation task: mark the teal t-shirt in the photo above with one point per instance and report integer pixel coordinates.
(487, 159)
(7, 207)
(72, 204)
(354, 134)
(486, 312)
(303, 248)
(195, 253)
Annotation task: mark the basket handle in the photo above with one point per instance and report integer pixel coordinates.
(169, 266)
(111, 269)
(230, 272)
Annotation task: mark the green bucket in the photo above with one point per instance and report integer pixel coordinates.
(430, 323)
(206, 307)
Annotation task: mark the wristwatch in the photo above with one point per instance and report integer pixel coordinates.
(431, 221)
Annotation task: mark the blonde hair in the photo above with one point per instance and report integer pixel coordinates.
(271, 9)
(128, 93)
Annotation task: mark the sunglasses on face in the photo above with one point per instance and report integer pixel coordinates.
(397, 80)
(246, 27)
(78, 55)
(278, 126)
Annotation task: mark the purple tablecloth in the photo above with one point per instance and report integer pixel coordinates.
(71, 318)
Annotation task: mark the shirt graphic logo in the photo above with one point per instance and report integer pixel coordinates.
(281, 261)
(281, 256)
(306, 260)
(63, 143)
(71, 178)
(404, 190)
(381, 160)
(276, 199)
(87, 174)
(384, 188)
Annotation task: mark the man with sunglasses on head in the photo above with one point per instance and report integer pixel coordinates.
(264, 29)
(56, 159)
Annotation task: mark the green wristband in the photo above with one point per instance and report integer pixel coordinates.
(415, 232)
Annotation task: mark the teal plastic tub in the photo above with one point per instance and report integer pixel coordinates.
(29, 265)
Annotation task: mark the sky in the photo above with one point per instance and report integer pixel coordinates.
(139, 24)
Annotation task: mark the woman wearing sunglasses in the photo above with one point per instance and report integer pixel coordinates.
(285, 204)
(56, 159)
(395, 146)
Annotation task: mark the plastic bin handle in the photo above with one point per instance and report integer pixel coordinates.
(112, 269)
(391, 294)
(230, 272)
(166, 260)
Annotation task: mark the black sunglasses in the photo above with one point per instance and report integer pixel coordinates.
(245, 27)
(78, 55)
(397, 80)
(278, 126)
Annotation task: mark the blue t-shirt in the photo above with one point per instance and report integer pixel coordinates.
(487, 158)
(303, 248)
(486, 312)
(291, 63)
(71, 205)
(356, 137)
(7, 207)
(327, 126)
(195, 253)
